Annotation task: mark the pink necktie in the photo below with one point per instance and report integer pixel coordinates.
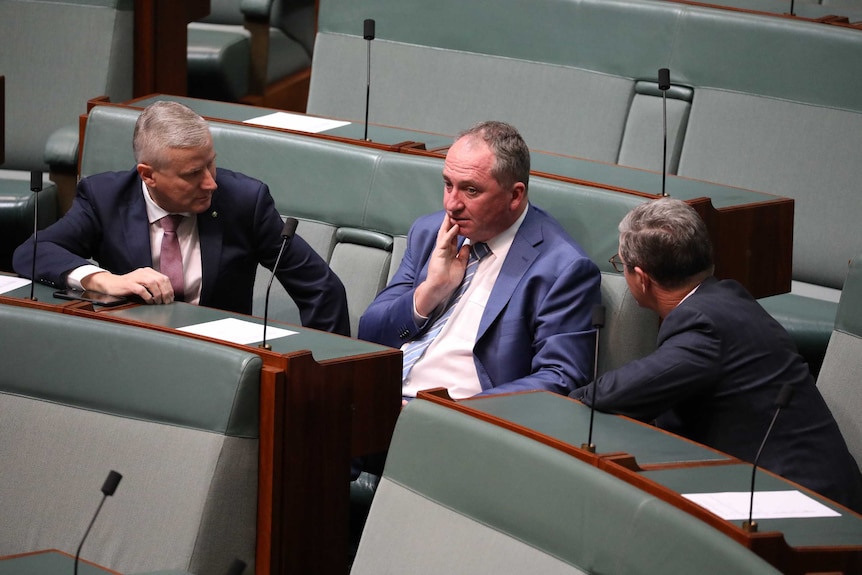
(170, 259)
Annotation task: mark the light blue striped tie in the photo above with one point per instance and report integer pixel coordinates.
(416, 348)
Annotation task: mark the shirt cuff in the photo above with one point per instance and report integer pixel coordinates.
(74, 277)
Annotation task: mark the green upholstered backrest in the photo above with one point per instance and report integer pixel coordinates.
(56, 55)
(762, 102)
(839, 378)
(129, 372)
(177, 417)
(462, 495)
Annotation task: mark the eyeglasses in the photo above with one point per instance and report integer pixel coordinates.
(619, 265)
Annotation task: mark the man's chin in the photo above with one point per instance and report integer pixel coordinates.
(202, 206)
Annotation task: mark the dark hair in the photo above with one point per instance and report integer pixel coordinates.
(511, 152)
(667, 239)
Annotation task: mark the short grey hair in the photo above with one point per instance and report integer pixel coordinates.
(510, 151)
(167, 125)
(667, 239)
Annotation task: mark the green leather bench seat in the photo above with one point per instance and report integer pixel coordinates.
(758, 102)
(218, 57)
(17, 203)
(460, 495)
(842, 364)
(177, 417)
(56, 55)
(219, 51)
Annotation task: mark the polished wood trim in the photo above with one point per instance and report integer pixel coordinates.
(160, 44)
(832, 19)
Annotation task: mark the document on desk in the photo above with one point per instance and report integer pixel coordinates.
(236, 330)
(733, 505)
(9, 283)
(298, 122)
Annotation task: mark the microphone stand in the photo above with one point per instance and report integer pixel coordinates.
(598, 323)
(35, 187)
(664, 85)
(368, 34)
(286, 235)
(781, 401)
(108, 489)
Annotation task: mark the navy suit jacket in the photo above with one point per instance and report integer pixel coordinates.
(715, 377)
(535, 332)
(108, 223)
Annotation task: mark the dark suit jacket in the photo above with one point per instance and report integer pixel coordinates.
(535, 332)
(715, 377)
(108, 222)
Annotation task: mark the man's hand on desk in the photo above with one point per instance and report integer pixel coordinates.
(146, 283)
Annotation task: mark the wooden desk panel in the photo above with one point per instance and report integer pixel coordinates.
(160, 46)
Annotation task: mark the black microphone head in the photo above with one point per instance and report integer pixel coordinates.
(598, 315)
(111, 483)
(368, 29)
(663, 78)
(784, 395)
(237, 567)
(35, 181)
(289, 227)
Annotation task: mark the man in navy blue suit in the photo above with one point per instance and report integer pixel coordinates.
(721, 360)
(229, 225)
(524, 320)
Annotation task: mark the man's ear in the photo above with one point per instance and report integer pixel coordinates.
(146, 173)
(644, 282)
(519, 191)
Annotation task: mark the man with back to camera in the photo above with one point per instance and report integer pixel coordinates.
(721, 360)
(523, 321)
(227, 224)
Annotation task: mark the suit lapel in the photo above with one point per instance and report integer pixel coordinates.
(521, 256)
(136, 228)
(210, 235)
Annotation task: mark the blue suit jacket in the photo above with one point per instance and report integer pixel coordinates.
(108, 222)
(714, 378)
(535, 332)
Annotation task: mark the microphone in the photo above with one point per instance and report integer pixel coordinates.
(237, 567)
(781, 402)
(286, 235)
(598, 323)
(368, 34)
(35, 187)
(108, 489)
(664, 85)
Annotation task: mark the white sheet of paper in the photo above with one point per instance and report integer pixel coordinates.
(9, 283)
(733, 505)
(299, 122)
(236, 330)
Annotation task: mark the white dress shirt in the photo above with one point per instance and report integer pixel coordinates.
(448, 361)
(190, 248)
